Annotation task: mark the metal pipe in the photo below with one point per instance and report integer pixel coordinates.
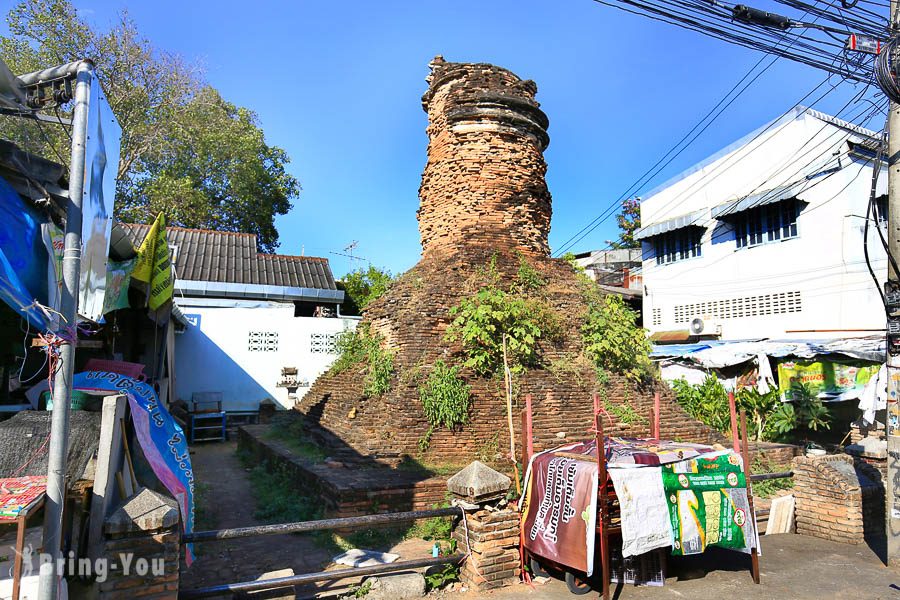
(281, 582)
(62, 382)
(768, 476)
(320, 525)
(58, 72)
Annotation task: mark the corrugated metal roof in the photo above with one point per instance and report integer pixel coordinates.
(782, 192)
(226, 257)
(688, 220)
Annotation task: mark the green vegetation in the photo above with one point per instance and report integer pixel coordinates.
(277, 498)
(185, 150)
(707, 402)
(613, 341)
(292, 431)
(804, 414)
(771, 419)
(570, 367)
(445, 400)
(364, 286)
(436, 579)
(427, 468)
(770, 487)
(358, 591)
(625, 413)
(362, 346)
(484, 320)
(629, 221)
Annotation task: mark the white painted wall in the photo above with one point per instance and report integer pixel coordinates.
(213, 355)
(824, 263)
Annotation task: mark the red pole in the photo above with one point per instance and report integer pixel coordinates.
(602, 504)
(596, 404)
(734, 429)
(656, 432)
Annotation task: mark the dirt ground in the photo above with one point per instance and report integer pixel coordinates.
(229, 502)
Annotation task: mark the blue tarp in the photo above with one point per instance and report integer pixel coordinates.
(23, 257)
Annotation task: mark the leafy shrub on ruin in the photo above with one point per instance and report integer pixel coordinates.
(363, 347)
(516, 313)
(445, 400)
(613, 341)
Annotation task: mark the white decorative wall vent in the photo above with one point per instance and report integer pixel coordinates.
(657, 316)
(323, 343)
(738, 308)
(262, 341)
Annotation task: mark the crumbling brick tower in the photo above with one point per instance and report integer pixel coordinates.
(484, 183)
(483, 198)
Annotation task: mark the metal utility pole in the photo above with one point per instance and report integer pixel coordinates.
(62, 378)
(892, 420)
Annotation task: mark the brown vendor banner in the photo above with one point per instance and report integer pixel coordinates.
(560, 510)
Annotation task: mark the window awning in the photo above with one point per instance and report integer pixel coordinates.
(784, 192)
(688, 220)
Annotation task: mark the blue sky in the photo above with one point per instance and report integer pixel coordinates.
(338, 85)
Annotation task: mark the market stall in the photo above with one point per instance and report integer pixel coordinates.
(640, 496)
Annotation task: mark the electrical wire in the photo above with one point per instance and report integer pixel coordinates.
(648, 175)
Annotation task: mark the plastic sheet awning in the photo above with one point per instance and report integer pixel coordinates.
(784, 192)
(679, 222)
(720, 354)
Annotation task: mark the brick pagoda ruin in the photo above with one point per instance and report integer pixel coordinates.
(483, 196)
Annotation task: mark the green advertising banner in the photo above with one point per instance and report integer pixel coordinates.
(708, 505)
(834, 381)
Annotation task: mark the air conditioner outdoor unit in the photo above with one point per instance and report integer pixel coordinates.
(705, 326)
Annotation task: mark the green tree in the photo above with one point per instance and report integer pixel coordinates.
(184, 149)
(629, 221)
(362, 286)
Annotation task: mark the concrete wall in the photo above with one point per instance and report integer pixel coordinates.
(214, 353)
(822, 268)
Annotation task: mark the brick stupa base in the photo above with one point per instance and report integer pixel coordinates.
(483, 197)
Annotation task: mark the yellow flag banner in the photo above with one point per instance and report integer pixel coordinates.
(154, 266)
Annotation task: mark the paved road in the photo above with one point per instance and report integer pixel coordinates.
(793, 567)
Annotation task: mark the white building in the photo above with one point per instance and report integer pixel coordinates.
(250, 316)
(765, 238)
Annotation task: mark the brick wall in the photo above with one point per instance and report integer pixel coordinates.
(346, 491)
(493, 538)
(838, 500)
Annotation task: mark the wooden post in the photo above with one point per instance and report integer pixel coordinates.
(745, 452)
(656, 416)
(734, 430)
(109, 461)
(21, 525)
(602, 503)
(528, 433)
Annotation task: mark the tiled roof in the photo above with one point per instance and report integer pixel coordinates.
(226, 257)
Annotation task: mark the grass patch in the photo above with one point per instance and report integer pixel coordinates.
(292, 432)
(770, 487)
(426, 468)
(278, 499)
